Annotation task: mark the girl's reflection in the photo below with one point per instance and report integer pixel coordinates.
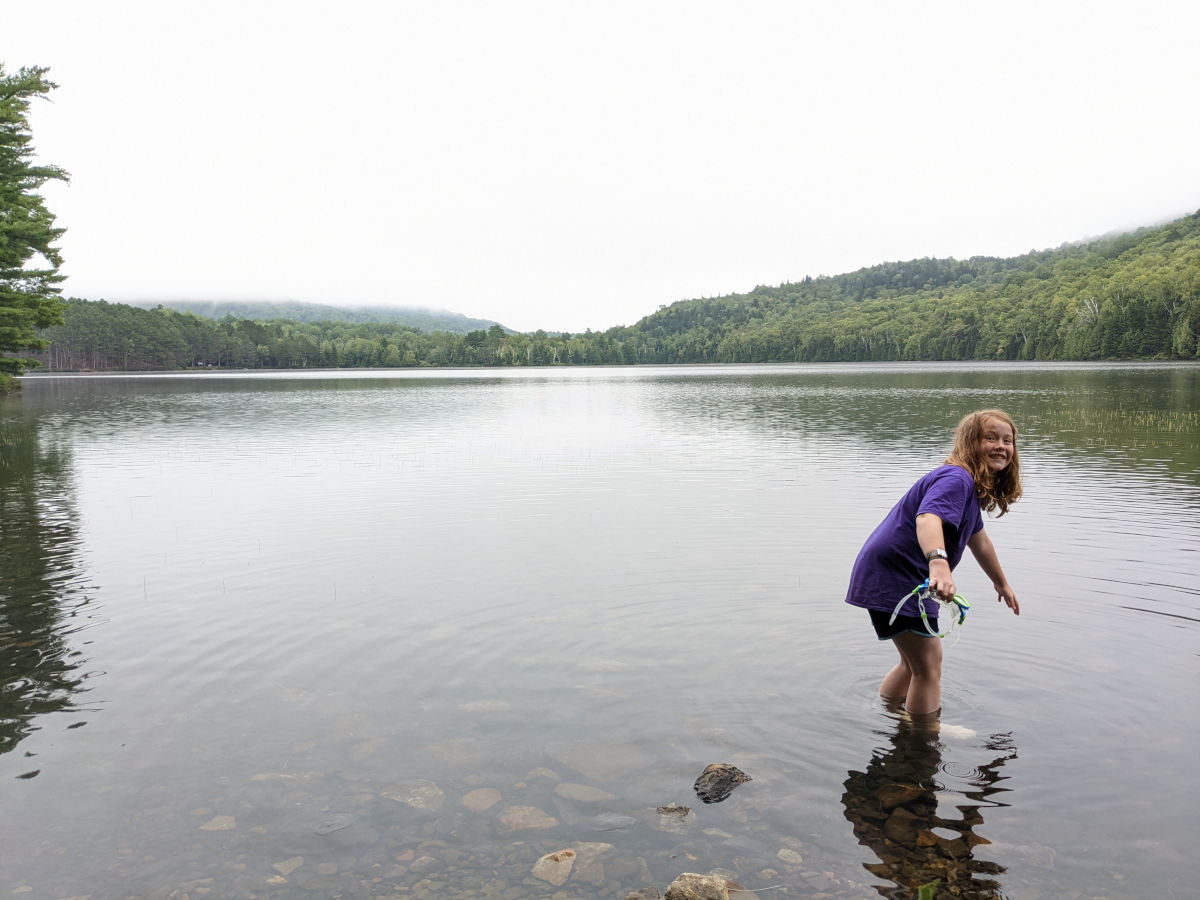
(893, 807)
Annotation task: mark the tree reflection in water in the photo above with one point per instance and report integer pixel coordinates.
(43, 598)
(893, 807)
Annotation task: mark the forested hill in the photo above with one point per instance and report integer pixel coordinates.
(293, 310)
(1124, 296)
(1129, 296)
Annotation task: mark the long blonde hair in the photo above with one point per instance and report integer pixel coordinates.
(995, 490)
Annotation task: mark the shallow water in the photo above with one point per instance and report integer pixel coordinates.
(404, 633)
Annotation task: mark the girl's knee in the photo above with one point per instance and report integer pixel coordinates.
(931, 670)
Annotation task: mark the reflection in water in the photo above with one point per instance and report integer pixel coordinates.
(893, 806)
(42, 599)
(1128, 414)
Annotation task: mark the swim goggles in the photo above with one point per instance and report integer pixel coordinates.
(957, 608)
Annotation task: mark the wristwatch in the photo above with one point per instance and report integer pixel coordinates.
(937, 554)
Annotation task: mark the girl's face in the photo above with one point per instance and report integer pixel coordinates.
(997, 444)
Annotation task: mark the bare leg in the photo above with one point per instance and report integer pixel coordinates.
(918, 675)
(895, 683)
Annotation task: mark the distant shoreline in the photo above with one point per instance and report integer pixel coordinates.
(895, 365)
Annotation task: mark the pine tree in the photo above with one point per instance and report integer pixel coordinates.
(29, 261)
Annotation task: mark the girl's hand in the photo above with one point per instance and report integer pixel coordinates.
(941, 579)
(1004, 594)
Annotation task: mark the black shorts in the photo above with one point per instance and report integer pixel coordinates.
(902, 624)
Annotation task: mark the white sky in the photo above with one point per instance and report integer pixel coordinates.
(568, 165)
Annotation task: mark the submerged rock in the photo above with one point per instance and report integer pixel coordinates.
(417, 793)
(589, 862)
(333, 822)
(611, 822)
(717, 782)
(555, 868)
(481, 799)
(690, 886)
(674, 809)
(672, 819)
(891, 794)
(288, 866)
(520, 818)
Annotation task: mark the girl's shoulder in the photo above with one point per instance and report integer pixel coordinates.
(951, 472)
(946, 480)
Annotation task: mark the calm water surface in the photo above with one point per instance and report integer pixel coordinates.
(404, 633)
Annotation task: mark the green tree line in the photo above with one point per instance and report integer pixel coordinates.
(99, 336)
(1130, 296)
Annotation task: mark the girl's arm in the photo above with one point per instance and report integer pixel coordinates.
(985, 554)
(930, 536)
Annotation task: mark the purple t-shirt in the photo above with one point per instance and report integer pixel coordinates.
(891, 563)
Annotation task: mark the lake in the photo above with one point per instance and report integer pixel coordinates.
(406, 633)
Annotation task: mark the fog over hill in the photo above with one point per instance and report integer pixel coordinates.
(264, 310)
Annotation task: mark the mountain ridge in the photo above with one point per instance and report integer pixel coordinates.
(1133, 295)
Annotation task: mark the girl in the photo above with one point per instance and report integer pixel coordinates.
(924, 536)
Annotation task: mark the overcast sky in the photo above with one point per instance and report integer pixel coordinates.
(569, 165)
